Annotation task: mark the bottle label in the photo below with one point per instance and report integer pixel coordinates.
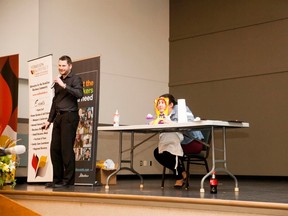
(116, 120)
(213, 182)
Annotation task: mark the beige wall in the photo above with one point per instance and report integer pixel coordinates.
(131, 37)
(229, 60)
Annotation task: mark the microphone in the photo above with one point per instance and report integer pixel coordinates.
(53, 84)
(18, 149)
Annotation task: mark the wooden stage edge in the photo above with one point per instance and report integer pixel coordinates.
(174, 202)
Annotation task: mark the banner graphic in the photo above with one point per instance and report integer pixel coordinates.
(40, 99)
(86, 137)
(9, 70)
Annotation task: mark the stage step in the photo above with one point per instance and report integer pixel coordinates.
(73, 203)
(10, 207)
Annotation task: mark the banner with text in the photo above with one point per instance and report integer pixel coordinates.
(86, 137)
(40, 99)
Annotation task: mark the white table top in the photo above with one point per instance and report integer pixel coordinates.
(176, 126)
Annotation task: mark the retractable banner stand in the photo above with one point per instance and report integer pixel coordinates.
(40, 100)
(9, 70)
(86, 137)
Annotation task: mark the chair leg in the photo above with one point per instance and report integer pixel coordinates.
(187, 174)
(163, 177)
(206, 166)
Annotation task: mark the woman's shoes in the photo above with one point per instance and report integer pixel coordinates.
(180, 183)
(184, 175)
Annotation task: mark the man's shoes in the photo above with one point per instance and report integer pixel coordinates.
(49, 185)
(58, 185)
(63, 185)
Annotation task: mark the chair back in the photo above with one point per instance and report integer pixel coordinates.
(197, 159)
(206, 144)
(207, 135)
(207, 139)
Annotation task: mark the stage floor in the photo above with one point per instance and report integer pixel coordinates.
(256, 189)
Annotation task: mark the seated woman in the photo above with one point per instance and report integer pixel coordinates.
(169, 152)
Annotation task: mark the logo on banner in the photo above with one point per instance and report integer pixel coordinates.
(39, 165)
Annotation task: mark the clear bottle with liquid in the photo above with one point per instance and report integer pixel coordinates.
(116, 118)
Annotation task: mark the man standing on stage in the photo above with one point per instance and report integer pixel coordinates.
(64, 115)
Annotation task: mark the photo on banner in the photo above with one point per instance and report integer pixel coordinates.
(85, 145)
(40, 99)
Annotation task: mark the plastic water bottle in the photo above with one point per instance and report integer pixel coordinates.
(213, 183)
(116, 119)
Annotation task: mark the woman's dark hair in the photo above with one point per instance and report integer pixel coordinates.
(66, 58)
(171, 98)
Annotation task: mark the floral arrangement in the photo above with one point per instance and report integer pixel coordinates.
(7, 170)
(7, 162)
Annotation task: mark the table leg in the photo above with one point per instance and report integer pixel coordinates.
(202, 190)
(132, 160)
(214, 161)
(236, 189)
(121, 161)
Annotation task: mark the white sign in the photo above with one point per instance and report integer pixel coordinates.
(40, 100)
(182, 115)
